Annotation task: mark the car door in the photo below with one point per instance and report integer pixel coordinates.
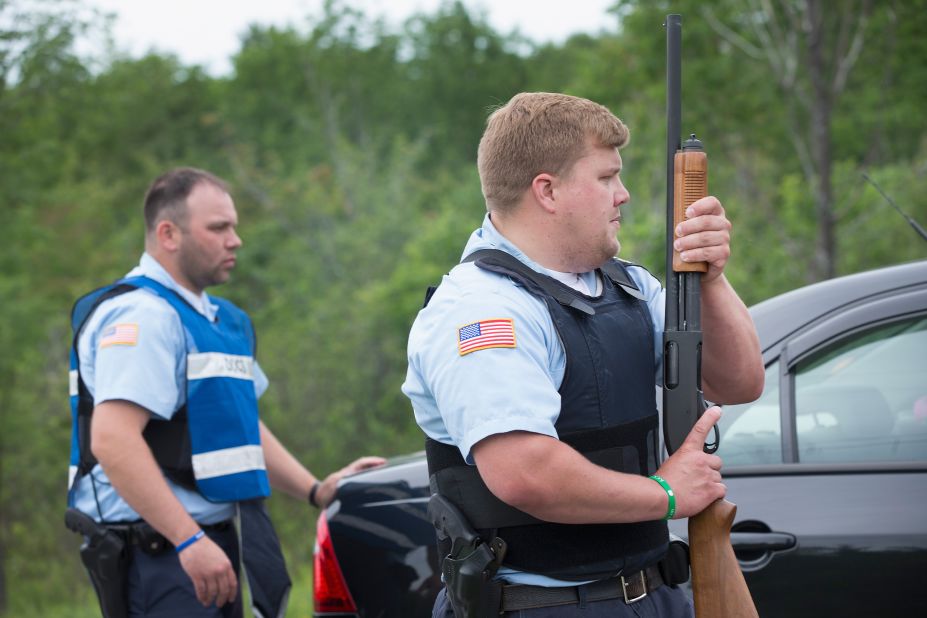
(829, 467)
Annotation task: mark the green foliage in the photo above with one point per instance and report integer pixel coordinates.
(351, 152)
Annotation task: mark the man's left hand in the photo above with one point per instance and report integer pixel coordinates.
(326, 491)
(705, 236)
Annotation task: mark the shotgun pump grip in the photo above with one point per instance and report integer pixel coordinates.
(690, 179)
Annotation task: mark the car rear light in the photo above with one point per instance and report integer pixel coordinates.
(330, 590)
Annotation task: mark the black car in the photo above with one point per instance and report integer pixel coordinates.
(828, 469)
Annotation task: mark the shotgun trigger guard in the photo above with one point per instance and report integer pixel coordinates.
(711, 447)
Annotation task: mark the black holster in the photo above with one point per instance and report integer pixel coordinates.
(470, 564)
(105, 556)
(471, 589)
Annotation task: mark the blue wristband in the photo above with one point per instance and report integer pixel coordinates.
(193, 539)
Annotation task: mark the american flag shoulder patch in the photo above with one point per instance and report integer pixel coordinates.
(119, 334)
(485, 334)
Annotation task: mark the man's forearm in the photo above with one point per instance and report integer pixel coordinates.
(546, 478)
(128, 462)
(732, 365)
(285, 472)
(551, 481)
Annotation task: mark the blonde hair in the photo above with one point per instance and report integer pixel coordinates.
(538, 132)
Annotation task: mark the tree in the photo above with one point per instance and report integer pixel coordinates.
(350, 152)
(459, 69)
(811, 50)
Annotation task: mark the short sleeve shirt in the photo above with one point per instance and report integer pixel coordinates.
(461, 398)
(147, 368)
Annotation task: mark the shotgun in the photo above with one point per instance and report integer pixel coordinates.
(718, 586)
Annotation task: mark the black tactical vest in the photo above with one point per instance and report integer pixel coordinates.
(608, 413)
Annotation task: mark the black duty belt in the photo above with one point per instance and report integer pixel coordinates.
(630, 588)
(153, 542)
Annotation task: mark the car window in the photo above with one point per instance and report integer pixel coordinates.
(864, 397)
(751, 433)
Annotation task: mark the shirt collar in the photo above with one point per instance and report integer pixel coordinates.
(488, 237)
(151, 268)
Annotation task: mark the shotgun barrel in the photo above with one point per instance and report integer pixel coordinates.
(718, 585)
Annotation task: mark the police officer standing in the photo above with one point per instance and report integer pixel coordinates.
(532, 372)
(168, 448)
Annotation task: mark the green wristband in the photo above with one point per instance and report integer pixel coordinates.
(671, 509)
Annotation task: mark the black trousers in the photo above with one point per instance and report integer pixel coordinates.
(664, 602)
(160, 588)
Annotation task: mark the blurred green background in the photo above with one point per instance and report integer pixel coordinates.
(350, 147)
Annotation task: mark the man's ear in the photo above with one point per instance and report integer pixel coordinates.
(167, 234)
(542, 189)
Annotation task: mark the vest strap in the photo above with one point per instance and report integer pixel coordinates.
(504, 263)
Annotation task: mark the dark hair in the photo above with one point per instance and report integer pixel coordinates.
(167, 196)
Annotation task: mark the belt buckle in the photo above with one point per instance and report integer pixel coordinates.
(624, 587)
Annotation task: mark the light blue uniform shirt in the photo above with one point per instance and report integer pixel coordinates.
(150, 374)
(462, 399)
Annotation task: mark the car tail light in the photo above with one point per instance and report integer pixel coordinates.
(331, 591)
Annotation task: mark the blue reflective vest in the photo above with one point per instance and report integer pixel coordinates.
(221, 410)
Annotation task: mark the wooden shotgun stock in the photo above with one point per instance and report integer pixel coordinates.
(718, 585)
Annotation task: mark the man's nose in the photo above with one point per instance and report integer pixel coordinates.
(622, 196)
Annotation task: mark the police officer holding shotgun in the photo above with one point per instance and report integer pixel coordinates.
(532, 371)
(168, 451)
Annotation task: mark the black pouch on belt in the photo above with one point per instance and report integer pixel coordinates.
(148, 539)
(675, 565)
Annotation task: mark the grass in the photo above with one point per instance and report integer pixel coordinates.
(86, 606)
